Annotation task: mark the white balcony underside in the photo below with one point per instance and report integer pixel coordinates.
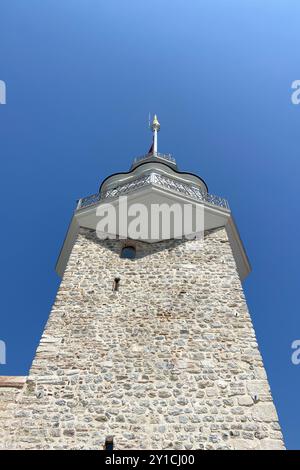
(213, 216)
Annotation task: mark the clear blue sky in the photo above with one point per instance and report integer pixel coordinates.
(82, 76)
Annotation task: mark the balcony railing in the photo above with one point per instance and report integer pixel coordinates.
(155, 179)
(163, 156)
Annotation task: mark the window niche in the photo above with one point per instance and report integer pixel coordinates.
(128, 252)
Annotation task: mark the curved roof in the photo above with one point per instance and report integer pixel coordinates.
(171, 168)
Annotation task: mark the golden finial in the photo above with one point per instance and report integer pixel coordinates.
(155, 123)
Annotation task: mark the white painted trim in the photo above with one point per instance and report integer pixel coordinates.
(221, 217)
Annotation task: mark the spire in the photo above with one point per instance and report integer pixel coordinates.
(155, 128)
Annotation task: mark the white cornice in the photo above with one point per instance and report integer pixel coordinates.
(214, 217)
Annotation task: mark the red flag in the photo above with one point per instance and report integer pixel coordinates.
(150, 151)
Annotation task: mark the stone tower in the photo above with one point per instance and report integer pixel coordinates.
(149, 342)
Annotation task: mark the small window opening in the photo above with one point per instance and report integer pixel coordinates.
(109, 443)
(128, 252)
(116, 284)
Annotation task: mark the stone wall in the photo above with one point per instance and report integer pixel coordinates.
(9, 391)
(170, 361)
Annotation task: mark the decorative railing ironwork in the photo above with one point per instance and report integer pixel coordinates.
(163, 156)
(88, 201)
(154, 179)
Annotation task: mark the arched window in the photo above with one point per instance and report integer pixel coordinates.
(128, 252)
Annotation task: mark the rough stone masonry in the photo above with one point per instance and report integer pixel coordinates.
(169, 361)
